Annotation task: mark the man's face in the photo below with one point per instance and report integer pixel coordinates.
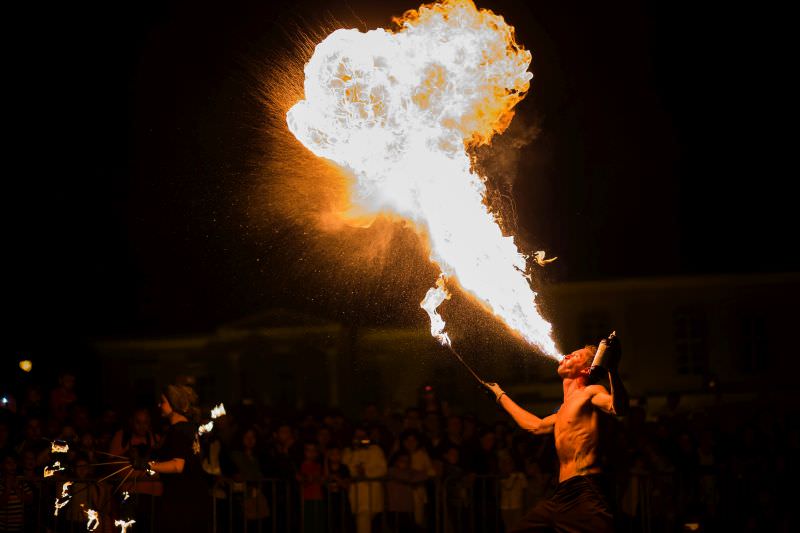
(575, 363)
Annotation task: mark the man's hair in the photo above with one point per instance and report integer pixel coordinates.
(592, 351)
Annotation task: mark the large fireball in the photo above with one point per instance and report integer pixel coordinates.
(399, 111)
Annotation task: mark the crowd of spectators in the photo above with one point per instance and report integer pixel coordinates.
(428, 467)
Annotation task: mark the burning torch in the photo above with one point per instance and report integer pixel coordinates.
(604, 358)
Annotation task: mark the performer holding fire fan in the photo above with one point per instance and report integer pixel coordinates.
(184, 504)
(578, 503)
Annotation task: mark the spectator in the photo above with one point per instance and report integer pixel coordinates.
(420, 462)
(63, 396)
(34, 442)
(5, 439)
(138, 440)
(400, 490)
(455, 483)
(310, 477)
(337, 476)
(513, 485)
(248, 475)
(86, 495)
(452, 435)
(14, 496)
(367, 462)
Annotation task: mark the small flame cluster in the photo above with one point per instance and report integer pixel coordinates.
(64, 498)
(399, 111)
(124, 524)
(49, 470)
(216, 412)
(92, 520)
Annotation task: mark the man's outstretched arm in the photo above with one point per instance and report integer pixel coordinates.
(526, 420)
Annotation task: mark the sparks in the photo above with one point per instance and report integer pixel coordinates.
(399, 112)
(125, 495)
(123, 525)
(205, 428)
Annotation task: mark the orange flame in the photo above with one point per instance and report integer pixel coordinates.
(399, 111)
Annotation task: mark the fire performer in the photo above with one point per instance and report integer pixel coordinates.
(185, 502)
(579, 503)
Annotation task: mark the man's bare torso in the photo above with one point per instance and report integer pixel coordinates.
(577, 435)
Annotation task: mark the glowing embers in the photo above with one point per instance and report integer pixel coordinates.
(398, 111)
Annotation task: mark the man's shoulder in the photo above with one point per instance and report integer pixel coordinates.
(592, 390)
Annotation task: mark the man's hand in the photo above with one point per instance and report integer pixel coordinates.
(495, 389)
(613, 354)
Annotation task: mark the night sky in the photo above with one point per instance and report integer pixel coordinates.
(664, 149)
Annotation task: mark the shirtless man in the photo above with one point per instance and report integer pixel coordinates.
(578, 503)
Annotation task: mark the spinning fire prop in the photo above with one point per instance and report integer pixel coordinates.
(399, 111)
(124, 524)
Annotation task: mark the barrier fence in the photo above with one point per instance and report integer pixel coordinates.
(461, 504)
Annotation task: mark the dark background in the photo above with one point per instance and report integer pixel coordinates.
(664, 150)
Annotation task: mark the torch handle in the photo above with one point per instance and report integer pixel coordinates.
(461, 360)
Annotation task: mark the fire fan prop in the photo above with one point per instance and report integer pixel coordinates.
(399, 110)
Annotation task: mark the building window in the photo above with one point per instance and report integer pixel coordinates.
(593, 326)
(691, 341)
(753, 342)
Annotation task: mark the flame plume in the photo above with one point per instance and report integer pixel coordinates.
(399, 112)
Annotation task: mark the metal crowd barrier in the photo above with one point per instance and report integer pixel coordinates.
(465, 504)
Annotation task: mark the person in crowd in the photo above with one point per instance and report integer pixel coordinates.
(179, 465)
(367, 462)
(400, 490)
(34, 441)
(33, 405)
(337, 478)
(86, 494)
(248, 474)
(420, 462)
(579, 502)
(453, 435)
(456, 483)
(138, 440)
(484, 465)
(513, 485)
(324, 437)
(310, 477)
(31, 474)
(63, 396)
(15, 494)
(285, 456)
(5, 438)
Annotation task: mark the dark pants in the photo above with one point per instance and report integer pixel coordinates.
(578, 505)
